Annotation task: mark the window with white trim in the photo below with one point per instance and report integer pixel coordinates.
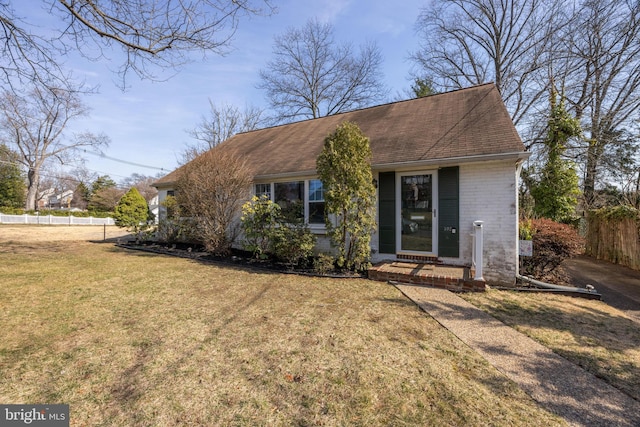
(316, 202)
(299, 200)
(263, 190)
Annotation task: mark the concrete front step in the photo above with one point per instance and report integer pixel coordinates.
(448, 277)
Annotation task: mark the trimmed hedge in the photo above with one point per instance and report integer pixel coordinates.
(54, 212)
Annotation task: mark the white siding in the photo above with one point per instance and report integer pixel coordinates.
(488, 192)
(162, 195)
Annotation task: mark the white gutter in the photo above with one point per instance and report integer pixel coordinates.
(516, 155)
(285, 175)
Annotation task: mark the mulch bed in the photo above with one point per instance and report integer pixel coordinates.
(237, 257)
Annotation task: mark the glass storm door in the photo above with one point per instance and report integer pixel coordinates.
(417, 213)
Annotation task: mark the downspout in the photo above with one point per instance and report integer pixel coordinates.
(590, 291)
(519, 164)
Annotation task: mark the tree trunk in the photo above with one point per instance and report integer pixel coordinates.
(594, 155)
(33, 178)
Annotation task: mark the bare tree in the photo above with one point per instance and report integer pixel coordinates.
(142, 183)
(34, 126)
(222, 123)
(312, 76)
(469, 42)
(105, 199)
(152, 34)
(603, 85)
(211, 189)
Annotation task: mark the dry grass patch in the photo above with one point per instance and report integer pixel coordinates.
(589, 333)
(48, 233)
(130, 338)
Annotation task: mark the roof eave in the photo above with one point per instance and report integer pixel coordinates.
(450, 161)
(167, 184)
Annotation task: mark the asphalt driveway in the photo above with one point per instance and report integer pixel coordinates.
(618, 285)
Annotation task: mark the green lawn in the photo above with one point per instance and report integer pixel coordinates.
(131, 338)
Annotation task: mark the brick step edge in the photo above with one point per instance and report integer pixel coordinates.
(442, 282)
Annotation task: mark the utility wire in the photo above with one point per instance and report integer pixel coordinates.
(127, 162)
(102, 155)
(67, 177)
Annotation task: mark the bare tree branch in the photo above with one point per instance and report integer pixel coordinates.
(468, 42)
(312, 76)
(34, 125)
(222, 123)
(604, 83)
(153, 35)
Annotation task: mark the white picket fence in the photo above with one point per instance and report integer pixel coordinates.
(54, 220)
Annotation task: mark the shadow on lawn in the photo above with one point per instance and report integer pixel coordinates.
(565, 385)
(588, 326)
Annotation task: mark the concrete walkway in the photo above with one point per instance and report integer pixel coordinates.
(557, 384)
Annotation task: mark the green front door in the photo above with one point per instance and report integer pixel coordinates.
(417, 222)
(449, 212)
(387, 212)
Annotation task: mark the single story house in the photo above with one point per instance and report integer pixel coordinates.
(439, 163)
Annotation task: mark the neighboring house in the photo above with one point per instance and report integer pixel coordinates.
(439, 163)
(44, 198)
(50, 199)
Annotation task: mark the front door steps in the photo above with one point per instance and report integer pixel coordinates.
(448, 277)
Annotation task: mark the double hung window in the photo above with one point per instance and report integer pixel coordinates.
(316, 202)
(263, 190)
(299, 200)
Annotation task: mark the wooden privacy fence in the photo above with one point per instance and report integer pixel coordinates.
(614, 235)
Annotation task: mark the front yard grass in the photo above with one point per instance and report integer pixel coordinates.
(589, 333)
(131, 338)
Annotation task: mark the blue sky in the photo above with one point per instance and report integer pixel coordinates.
(147, 123)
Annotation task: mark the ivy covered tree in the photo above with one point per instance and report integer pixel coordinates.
(344, 167)
(132, 211)
(556, 191)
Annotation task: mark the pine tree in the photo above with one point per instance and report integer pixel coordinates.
(12, 180)
(132, 211)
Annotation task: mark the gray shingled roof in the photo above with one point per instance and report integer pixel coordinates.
(463, 123)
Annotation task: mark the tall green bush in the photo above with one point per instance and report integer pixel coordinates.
(344, 167)
(13, 190)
